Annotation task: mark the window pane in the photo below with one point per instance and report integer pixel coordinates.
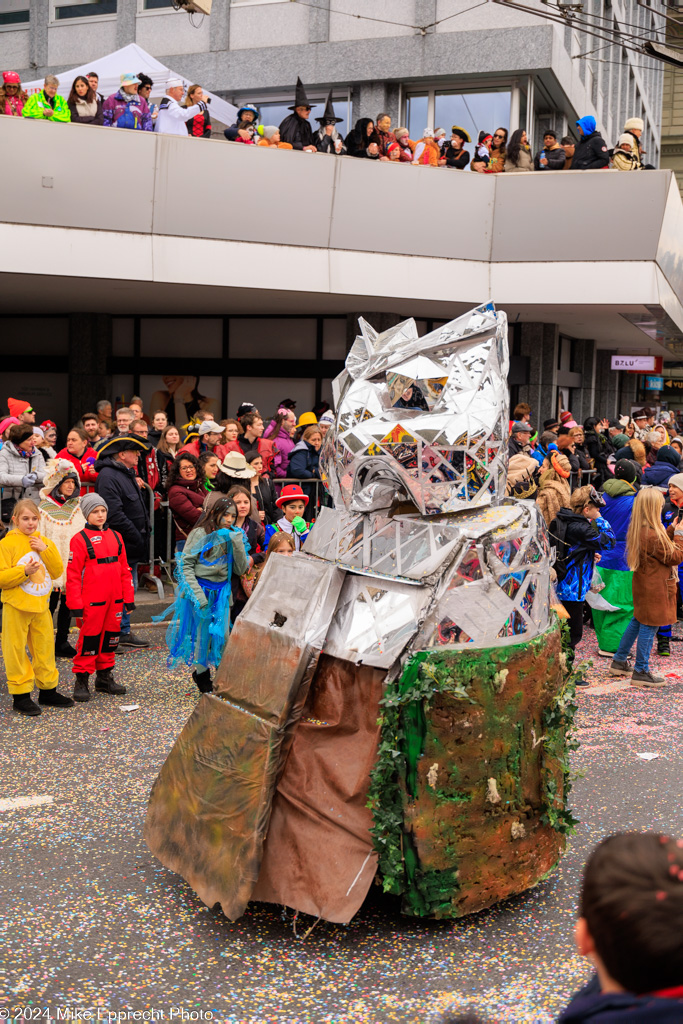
(14, 17)
(473, 111)
(153, 4)
(417, 116)
(87, 10)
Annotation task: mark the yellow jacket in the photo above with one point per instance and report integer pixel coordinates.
(27, 593)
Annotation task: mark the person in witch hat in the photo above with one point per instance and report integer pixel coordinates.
(295, 128)
(327, 138)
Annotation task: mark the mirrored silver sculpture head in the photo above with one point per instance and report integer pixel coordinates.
(422, 420)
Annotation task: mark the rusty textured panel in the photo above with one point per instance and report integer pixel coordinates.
(319, 856)
(210, 805)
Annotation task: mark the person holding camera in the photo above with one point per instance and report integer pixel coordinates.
(172, 118)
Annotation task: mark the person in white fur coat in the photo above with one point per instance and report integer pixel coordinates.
(60, 520)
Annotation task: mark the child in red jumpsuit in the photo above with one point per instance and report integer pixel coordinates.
(98, 583)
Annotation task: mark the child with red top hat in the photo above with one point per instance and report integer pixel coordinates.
(98, 584)
(293, 503)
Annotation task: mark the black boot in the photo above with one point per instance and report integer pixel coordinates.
(663, 649)
(105, 682)
(65, 650)
(203, 681)
(81, 691)
(54, 699)
(22, 703)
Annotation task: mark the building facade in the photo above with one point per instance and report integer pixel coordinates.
(426, 62)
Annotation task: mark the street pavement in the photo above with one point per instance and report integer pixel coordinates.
(94, 928)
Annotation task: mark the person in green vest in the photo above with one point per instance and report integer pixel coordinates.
(47, 105)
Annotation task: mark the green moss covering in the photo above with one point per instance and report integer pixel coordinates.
(469, 790)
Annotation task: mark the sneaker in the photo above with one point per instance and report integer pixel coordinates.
(131, 640)
(203, 681)
(663, 649)
(605, 654)
(22, 703)
(65, 650)
(647, 680)
(54, 699)
(581, 682)
(620, 668)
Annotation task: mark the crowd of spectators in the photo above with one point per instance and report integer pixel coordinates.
(183, 112)
(611, 495)
(158, 479)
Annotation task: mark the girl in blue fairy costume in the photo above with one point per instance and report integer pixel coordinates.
(200, 626)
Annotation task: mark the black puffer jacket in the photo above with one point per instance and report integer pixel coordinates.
(599, 449)
(128, 507)
(591, 153)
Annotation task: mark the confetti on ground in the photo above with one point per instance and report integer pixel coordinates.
(91, 920)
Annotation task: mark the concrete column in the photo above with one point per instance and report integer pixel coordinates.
(375, 98)
(629, 392)
(319, 21)
(90, 345)
(126, 11)
(539, 344)
(219, 27)
(606, 386)
(583, 397)
(37, 44)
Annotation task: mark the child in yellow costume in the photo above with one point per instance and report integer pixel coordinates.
(28, 564)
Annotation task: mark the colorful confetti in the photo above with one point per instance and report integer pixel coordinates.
(92, 921)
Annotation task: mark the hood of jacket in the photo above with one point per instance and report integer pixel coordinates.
(659, 474)
(669, 455)
(303, 446)
(618, 488)
(587, 125)
(592, 1006)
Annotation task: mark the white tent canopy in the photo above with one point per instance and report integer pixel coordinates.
(133, 58)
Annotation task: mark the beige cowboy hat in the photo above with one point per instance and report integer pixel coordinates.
(235, 464)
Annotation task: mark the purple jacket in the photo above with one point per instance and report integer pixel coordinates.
(119, 114)
(284, 446)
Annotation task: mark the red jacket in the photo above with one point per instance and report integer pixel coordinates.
(185, 499)
(266, 449)
(196, 448)
(104, 578)
(84, 468)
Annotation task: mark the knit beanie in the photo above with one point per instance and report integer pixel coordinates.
(625, 138)
(676, 480)
(630, 471)
(669, 455)
(90, 502)
(634, 122)
(620, 441)
(269, 130)
(400, 133)
(16, 406)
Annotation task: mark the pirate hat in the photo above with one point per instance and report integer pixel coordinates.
(328, 113)
(300, 97)
(122, 443)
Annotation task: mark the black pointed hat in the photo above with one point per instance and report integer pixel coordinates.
(328, 114)
(300, 97)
